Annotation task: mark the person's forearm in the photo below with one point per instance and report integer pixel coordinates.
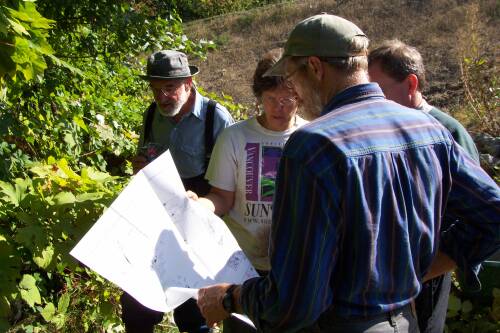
(441, 264)
(215, 203)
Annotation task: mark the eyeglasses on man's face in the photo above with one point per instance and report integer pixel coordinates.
(166, 89)
(287, 78)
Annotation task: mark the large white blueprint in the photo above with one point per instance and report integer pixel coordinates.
(158, 245)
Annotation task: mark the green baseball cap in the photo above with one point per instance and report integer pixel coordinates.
(168, 64)
(322, 35)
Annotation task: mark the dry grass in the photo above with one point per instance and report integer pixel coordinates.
(436, 27)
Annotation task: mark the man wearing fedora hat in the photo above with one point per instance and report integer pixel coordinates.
(185, 122)
(359, 200)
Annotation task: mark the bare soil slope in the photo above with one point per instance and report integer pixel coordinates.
(443, 30)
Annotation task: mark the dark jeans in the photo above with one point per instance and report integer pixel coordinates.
(198, 185)
(432, 304)
(398, 321)
(140, 319)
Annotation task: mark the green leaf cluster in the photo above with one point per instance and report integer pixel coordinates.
(474, 312)
(196, 9)
(23, 42)
(70, 109)
(42, 218)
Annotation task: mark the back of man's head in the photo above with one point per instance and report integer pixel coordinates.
(398, 60)
(331, 38)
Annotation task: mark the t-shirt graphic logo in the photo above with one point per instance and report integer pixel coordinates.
(252, 172)
(268, 165)
(270, 159)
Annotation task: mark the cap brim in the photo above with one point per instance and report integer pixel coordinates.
(192, 69)
(278, 68)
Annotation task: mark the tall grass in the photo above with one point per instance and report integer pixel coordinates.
(478, 73)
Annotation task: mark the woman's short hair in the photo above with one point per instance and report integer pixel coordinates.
(262, 83)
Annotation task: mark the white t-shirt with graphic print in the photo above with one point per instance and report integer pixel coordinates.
(245, 160)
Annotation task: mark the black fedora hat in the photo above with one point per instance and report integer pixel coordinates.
(168, 64)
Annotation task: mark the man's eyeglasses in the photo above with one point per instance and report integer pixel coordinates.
(287, 77)
(165, 90)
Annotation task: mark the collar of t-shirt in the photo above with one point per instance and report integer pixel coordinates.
(424, 106)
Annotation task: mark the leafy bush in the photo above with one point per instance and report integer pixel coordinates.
(196, 9)
(482, 91)
(237, 110)
(70, 108)
(479, 77)
(89, 116)
(42, 218)
(474, 312)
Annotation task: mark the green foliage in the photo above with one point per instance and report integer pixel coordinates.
(90, 119)
(41, 219)
(469, 315)
(196, 9)
(482, 91)
(237, 110)
(23, 44)
(23, 33)
(479, 76)
(71, 106)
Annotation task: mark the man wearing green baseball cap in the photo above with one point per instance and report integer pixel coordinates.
(185, 122)
(359, 199)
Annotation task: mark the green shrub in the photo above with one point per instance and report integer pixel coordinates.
(42, 218)
(479, 76)
(65, 128)
(196, 9)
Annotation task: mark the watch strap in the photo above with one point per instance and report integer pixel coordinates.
(228, 299)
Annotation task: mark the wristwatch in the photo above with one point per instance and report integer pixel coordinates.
(228, 299)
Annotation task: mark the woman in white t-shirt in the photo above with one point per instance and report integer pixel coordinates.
(244, 164)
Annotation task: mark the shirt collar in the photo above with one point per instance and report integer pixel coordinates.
(353, 94)
(424, 106)
(198, 106)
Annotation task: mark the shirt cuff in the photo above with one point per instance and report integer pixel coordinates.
(248, 301)
(454, 246)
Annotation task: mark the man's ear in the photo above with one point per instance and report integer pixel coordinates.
(412, 81)
(316, 67)
(189, 83)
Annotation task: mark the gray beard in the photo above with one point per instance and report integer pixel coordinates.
(171, 112)
(174, 109)
(312, 107)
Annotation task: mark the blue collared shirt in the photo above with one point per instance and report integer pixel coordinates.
(359, 200)
(186, 139)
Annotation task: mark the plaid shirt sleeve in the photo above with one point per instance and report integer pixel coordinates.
(474, 199)
(296, 291)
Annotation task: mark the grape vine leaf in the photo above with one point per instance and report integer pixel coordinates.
(29, 290)
(45, 258)
(48, 312)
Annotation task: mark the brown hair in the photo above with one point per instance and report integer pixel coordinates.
(399, 60)
(262, 83)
